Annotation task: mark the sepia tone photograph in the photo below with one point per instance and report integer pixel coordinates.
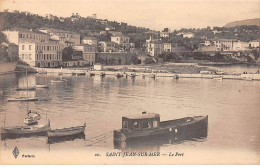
(130, 82)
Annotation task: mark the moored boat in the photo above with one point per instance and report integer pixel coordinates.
(22, 99)
(42, 86)
(92, 74)
(21, 130)
(151, 75)
(58, 81)
(219, 78)
(66, 131)
(102, 74)
(25, 88)
(30, 120)
(149, 125)
(132, 75)
(119, 75)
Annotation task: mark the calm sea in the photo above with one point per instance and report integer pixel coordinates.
(232, 107)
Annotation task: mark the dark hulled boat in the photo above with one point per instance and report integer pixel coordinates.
(24, 130)
(66, 131)
(149, 126)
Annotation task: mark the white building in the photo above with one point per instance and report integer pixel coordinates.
(41, 54)
(89, 40)
(66, 38)
(154, 48)
(167, 47)
(240, 46)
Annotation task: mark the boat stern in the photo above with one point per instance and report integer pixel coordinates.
(119, 135)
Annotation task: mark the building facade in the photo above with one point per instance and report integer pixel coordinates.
(89, 40)
(107, 46)
(65, 38)
(41, 54)
(17, 36)
(167, 47)
(154, 48)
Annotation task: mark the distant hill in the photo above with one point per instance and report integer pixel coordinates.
(247, 22)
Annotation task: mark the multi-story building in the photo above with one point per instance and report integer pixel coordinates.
(66, 38)
(240, 46)
(107, 46)
(89, 40)
(41, 54)
(154, 48)
(13, 52)
(224, 44)
(254, 43)
(17, 36)
(167, 47)
(165, 33)
(88, 53)
(121, 40)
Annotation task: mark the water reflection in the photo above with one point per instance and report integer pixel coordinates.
(52, 140)
(150, 144)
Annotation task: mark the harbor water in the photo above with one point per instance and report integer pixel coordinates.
(231, 105)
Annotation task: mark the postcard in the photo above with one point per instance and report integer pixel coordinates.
(150, 82)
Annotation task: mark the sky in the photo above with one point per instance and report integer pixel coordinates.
(153, 14)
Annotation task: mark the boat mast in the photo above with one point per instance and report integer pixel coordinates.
(5, 119)
(27, 83)
(27, 87)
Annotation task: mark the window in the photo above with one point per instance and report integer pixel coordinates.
(22, 47)
(30, 47)
(22, 56)
(136, 125)
(20, 35)
(125, 124)
(155, 124)
(147, 124)
(30, 56)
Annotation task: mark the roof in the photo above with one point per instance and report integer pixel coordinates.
(89, 38)
(143, 116)
(26, 30)
(120, 35)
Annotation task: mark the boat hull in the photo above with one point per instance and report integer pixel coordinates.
(66, 131)
(21, 99)
(21, 130)
(190, 129)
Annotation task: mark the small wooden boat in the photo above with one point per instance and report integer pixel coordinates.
(151, 75)
(79, 74)
(34, 115)
(42, 72)
(42, 86)
(132, 75)
(25, 88)
(119, 75)
(92, 74)
(220, 78)
(58, 80)
(66, 131)
(247, 79)
(30, 120)
(150, 126)
(176, 77)
(102, 74)
(22, 99)
(20, 130)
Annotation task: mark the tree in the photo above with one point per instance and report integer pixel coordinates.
(67, 53)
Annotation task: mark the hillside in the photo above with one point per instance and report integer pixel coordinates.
(247, 22)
